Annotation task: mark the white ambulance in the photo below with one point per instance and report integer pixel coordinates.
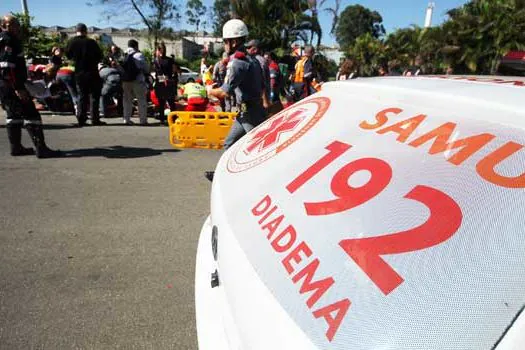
(381, 213)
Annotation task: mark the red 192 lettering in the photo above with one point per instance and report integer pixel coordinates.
(444, 220)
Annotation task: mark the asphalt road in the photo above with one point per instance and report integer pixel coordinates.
(97, 250)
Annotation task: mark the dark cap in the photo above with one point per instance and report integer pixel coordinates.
(253, 43)
(81, 28)
(133, 43)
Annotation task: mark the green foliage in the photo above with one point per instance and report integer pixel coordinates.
(195, 11)
(154, 14)
(485, 30)
(277, 23)
(221, 14)
(472, 40)
(369, 52)
(148, 55)
(194, 65)
(35, 42)
(355, 21)
(325, 67)
(182, 62)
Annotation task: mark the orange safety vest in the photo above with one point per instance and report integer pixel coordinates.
(299, 70)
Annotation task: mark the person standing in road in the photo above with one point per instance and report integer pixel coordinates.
(304, 74)
(135, 69)
(276, 82)
(253, 49)
(244, 79)
(86, 54)
(166, 81)
(14, 98)
(219, 73)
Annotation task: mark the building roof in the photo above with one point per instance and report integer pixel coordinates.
(121, 31)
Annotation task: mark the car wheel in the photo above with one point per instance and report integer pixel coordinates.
(190, 80)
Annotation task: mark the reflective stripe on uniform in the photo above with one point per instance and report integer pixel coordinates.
(32, 122)
(7, 65)
(14, 121)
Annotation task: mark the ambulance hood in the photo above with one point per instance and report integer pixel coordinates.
(378, 214)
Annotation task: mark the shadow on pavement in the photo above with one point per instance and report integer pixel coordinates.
(59, 126)
(74, 126)
(120, 152)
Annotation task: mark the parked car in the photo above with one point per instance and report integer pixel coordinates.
(379, 213)
(187, 76)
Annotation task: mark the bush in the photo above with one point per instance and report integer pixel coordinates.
(148, 55)
(325, 67)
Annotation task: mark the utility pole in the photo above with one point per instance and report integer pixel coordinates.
(24, 8)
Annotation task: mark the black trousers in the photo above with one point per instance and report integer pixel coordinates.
(18, 111)
(89, 87)
(166, 92)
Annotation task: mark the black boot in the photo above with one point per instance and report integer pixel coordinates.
(14, 133)
(37, 135)
(209, 175)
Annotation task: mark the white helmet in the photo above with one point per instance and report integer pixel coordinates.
(234, 28)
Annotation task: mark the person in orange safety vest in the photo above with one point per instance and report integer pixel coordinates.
(304, 75)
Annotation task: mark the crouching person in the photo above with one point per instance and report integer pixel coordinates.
(196, 96)
(15, 99)
(111, 88)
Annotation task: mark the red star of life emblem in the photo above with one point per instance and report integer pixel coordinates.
(270, 135)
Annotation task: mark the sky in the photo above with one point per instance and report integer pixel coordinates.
(395, 13)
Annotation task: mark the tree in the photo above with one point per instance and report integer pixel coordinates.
(334, 12)
(154, 14)
(355, 21)
(36, 42)
(277, 22)
(306, 29)
(369, 53)
(221, 13)
(324, 66)
(404, 45)
(485, 30)
(195, 12)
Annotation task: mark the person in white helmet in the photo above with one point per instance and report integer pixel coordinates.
(244, 80)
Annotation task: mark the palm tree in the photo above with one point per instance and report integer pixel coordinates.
(277, 22)
(485, 30)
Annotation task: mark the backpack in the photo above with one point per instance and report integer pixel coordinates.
(131, 71)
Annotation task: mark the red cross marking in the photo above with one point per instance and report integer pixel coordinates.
(270, 135)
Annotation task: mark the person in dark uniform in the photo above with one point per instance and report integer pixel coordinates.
(86, 54)
(244, 79)
(166, 81)
(15, 99)
(253, 49)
